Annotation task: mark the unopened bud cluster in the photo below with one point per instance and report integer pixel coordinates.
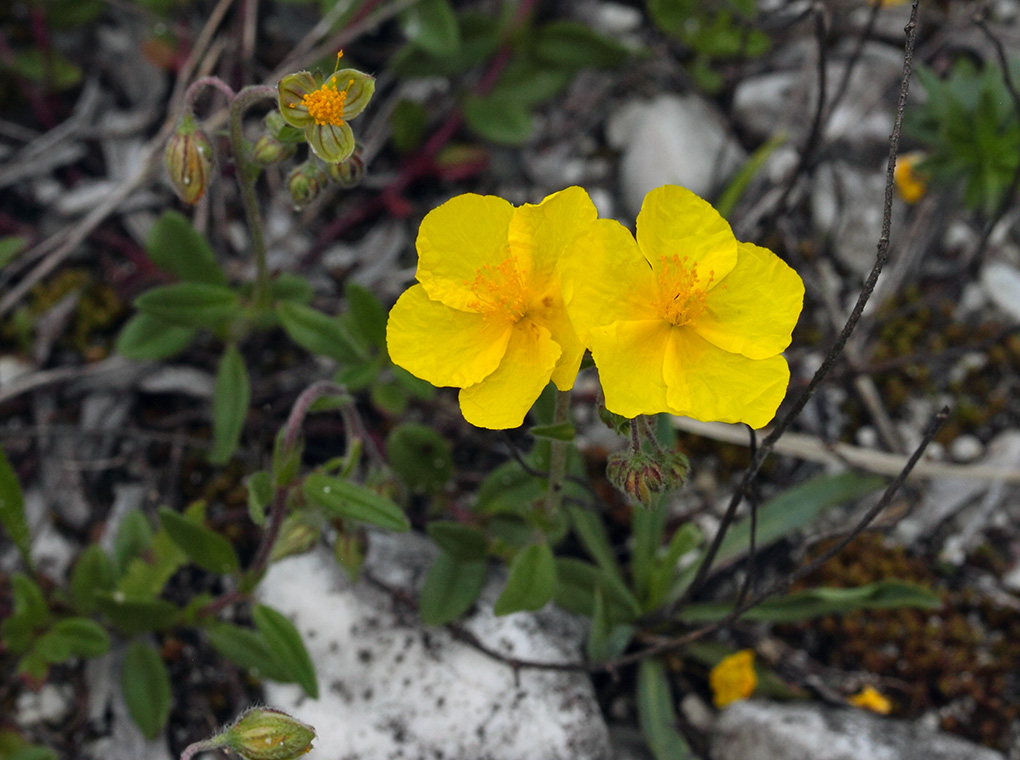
(644, 476)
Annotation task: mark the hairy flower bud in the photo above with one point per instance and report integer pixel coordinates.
(265, 734)
(644, 476)
(268, 150)
(348, 173)
(188, 160)
(306, 182)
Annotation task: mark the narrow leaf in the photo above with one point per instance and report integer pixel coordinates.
(93, 572)
(353, 502)
(12, 510)
(206, 548)
(246, 648)
(656, 714)
(451, 587)
(284, 641)
(318, 333)
(231, 397)
(464, 542)
(144, 337)
(532, 581)
(146, 687)
(175, 246)
(133, 615)
(190, 304)
(260, 494)
(499, 119)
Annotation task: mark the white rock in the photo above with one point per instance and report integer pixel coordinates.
(50, 704)
(671, 140)
(391, 687)
(966, 448)
(179, 378)
(758, 730)
(1001, 283)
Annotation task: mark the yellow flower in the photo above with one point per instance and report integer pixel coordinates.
(870, 698)
(911, 184)
(323, 108)
(686, 320)
(487, 314)
(733, 678)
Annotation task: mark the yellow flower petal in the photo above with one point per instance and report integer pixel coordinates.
(630, 358)
(755, 307)
(733, 678)
(442, 345)
(870, 698)
(502, 399)
(707, 383)
(543, 231)
(673, 221)
(606, 279)
(459, 238)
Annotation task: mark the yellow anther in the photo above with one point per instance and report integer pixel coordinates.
(681, 295)
(326, 105)
(500, 290)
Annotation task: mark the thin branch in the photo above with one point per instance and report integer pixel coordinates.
(837, 348)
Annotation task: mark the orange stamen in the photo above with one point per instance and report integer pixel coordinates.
(681, 295)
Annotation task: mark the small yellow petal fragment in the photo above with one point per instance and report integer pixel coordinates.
(870, 698)
(733, 678)
(911, 184)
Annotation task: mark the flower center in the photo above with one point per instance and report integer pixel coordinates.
(500, 291)
(681, 295)
(326, 104)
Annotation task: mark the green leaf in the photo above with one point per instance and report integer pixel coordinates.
(10, 247)
(12, 510)
(353, 502)
(591, 531)
(134, 537)
(500, 119)
(432, 26)
(735, 189)
(451, 587)
(318, 333)
(93, 572)
(246, 648)
(792, 510)
(14, 747)
(664, 570)
(231, 397)
(144, 577)
(656, 714)
(206, 548)
(562, 431)
(367, 315)
(573, 45)
(460, 541)
(480, 37)
(175, 246)
(284, 641)
(50, 68)
(30, 613)
(146, 687)
(802, 605)
(648, 526)
(407, 125)
(135, 615)
(260, 495)
(530, 82)
(73, 637)
(606, 639)
(576, 583)
(191, 304)
(291, 287)
(420, 457)
(532, 581)
(287, 455)
(145, 337)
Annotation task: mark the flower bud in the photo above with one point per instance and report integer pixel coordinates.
(188, 160)
(348, 173)
(297, 536)
(268, 150)
(644, 476)
(265, 734)
(306, 182)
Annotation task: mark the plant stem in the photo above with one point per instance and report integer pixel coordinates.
(247, 175)
(558, 456)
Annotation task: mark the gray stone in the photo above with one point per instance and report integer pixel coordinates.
(1001, 283)
(391, 687)
(758, 730)
(672, 140)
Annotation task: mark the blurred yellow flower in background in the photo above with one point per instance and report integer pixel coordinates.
(870, 698)
(487, 315)
(685, 320)
(733, 678)
(911, 184)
